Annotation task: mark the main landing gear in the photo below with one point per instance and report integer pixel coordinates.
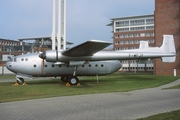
(71, 80)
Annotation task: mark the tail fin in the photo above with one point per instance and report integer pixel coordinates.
(168, 46)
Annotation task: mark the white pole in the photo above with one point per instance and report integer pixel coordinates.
(53, 35)
(174, 72)
(59, 25)
(64, 31)
(97, 78)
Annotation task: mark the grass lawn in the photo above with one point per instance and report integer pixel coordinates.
(53, 87)
(175, 87)
(174, 115)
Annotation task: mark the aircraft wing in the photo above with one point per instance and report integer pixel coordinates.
(86, 49)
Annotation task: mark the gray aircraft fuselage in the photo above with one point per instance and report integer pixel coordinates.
(32, 65)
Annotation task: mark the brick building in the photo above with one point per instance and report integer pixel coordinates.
(167, 21)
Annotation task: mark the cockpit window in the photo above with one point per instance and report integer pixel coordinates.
(15, 59)
(10, 59)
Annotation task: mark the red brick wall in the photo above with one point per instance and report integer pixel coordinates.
(167, 21)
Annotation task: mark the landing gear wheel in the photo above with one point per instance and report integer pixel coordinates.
(20, 81)
(73, 80)
(64, 78)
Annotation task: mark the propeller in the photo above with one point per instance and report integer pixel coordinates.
(42, 56)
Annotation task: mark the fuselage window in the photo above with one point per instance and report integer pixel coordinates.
(22, 59)
(102, 65)
(45, 65)
(60, 65)
(82, 65)
(52, 65)
(89, 65)
(96, 65)
(34, 65)
(67, 65)
(26, 59)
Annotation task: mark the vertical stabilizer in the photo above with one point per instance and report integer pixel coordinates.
(168, 46)
(143, 45)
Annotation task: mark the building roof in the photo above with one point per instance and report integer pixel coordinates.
(132, 17)
(40, 38)
(129, 17)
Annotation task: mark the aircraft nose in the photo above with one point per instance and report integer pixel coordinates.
(9, 65)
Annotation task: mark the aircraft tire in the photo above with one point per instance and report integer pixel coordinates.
(20, 81)
(64, 78)
(73, 80)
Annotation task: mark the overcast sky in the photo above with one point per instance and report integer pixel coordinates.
(86, 19)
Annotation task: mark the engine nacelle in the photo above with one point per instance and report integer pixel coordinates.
(51, 55)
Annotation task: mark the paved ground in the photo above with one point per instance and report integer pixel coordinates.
(108, 106)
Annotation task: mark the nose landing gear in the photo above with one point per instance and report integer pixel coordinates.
(20, 81)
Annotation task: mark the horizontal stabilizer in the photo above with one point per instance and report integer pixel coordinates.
(168, 59)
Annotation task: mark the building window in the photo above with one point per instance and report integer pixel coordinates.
(131, 35)
(126, 36)
(117, 24)
(137, 22)
(126, 42)
(137, 28)
(142, 34)
(131, 42)
(136, 35)
(116, 36)
(124, 29)
(152, 41)
(149, 21)
(150, 28)
(121, 42)
(152, 34)
(136, 41)
(148, 34)
(117, 30)
(121, 36)
(124, 23)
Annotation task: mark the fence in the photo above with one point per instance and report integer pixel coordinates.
(4, 71)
